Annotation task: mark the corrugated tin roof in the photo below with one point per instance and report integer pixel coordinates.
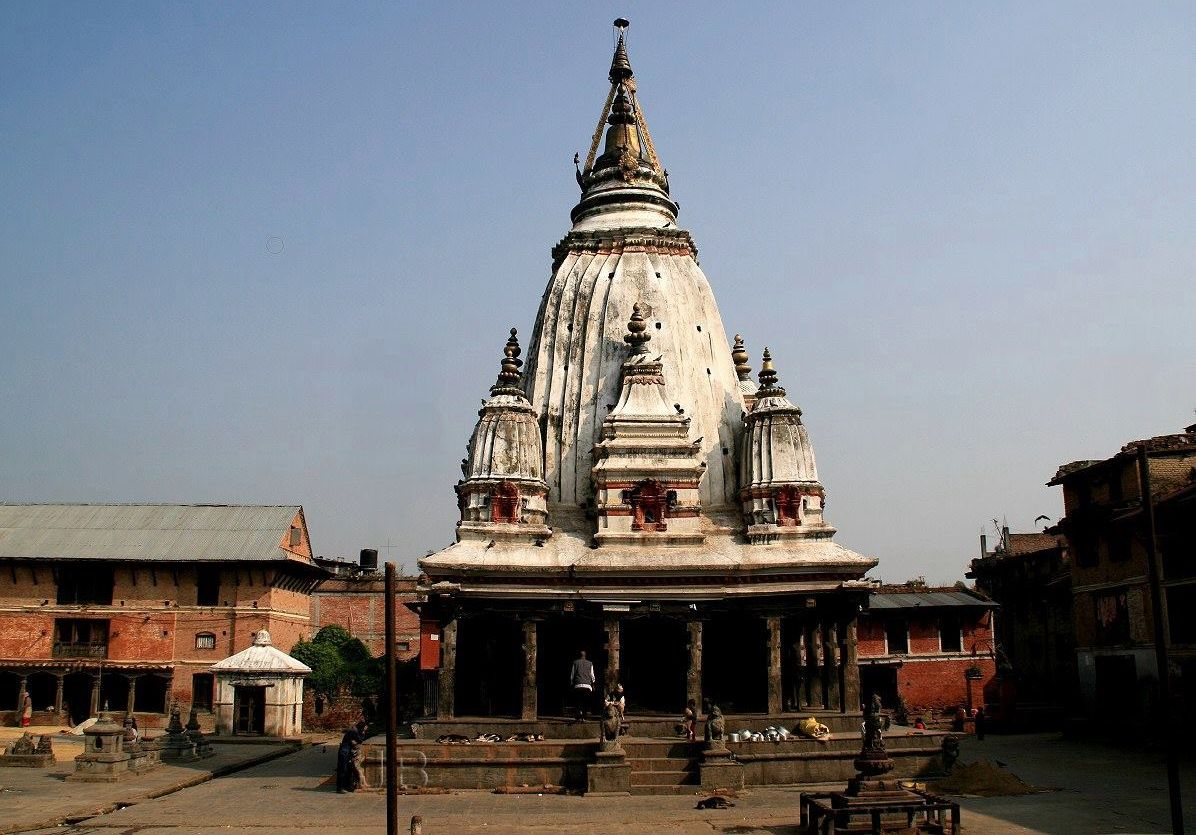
(927, 600)
(145, 531)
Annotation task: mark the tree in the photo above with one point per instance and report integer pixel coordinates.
(338, 662)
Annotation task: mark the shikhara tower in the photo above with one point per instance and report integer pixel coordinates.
(633, 493)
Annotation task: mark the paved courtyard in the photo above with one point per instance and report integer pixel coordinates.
(1099, 789)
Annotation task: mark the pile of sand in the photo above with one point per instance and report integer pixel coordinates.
(983, 779)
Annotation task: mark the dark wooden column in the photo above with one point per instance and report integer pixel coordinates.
(803, 676)
(774, 664)
(530, 706)
(614, 631)
(830, 654)
(95, 694)
(851, 665)
(446, 689)
(817, 698)
(21, 690)
(58, 694)
(693, 676)
(133, 693)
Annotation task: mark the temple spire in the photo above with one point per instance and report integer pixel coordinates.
(739, 353)
(637, 331)
(628, 138)
(768, 378)
(510, 379)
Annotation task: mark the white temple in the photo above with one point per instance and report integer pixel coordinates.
(634, 493)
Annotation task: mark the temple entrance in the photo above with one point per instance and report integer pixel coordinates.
(653, 664)
(76, 696)
(735, 663)
(249, 710)
(489, 680)
(558, 641)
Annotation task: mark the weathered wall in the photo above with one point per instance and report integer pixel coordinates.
(358, 604)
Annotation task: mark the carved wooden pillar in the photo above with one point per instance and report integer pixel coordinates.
(21, 690)
(58, 693)
(95, 695)
(132, 693)
(816, 691)
(693, 676)
(530, 706)
(614, 632)
(800, 699)
(774, 665)
(447, 683)
(831, 656)
(851, 666)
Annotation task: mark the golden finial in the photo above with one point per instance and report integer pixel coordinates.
(509, 376)
(768, 377)
(637, 336)
(740, 355)
(620, 65)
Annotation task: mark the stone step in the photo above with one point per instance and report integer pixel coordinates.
(662, 764)
(658, 790)
(664, 778)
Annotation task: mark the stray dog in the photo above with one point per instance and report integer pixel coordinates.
(715, 802)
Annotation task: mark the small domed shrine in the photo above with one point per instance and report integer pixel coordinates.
(634, 494)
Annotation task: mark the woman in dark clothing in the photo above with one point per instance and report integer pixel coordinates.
(346, 775)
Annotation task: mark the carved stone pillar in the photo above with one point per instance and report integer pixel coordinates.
(58, 693)
(851, 666)
(830, 655)
(693, 676)
(613, 627)
(774, 665)
(817, 699)
(447, 682)
(530, 706)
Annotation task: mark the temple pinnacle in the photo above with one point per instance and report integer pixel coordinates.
(620, 65)
(768, 378)
(509, 376)
(740, 355)
(637, 336)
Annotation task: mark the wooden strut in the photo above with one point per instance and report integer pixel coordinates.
(643, 126)
(610, 97)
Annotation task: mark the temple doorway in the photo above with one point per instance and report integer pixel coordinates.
(76, 696)
(654, 660)
(735, 663)
(489, 680)
(559, 640)
(249, 710)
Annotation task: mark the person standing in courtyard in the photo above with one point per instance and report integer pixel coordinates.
(582, 681)
(346, 771)
(26, 711)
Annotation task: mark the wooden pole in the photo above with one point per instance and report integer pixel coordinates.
(1160, 645)
(392, 710)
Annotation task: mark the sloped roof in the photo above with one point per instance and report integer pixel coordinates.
(262, 657)
(146, 532)
(927, 600)
(1029, 543)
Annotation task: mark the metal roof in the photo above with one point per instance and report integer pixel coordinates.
(927, 600)
(162, 532)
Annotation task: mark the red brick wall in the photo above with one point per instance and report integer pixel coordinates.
(358, 605)
(939, 685)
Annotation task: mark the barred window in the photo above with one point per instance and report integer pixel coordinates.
(205, 640)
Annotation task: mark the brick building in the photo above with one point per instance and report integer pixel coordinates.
(109, 608)
(1106, 535)
(932, 647)
(354, 597)
(1029, 575)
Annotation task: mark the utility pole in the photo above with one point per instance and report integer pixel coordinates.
(1160, 644)
(392, 709)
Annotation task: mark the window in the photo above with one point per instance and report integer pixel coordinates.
(201, 691)
(950, 634)
(1112, 617)
(84, 584)
(207, 585)
(296, 537)
(205, 640)
(897, 637)
(79, 638)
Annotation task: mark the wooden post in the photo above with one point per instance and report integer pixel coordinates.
(95, 694)
(831, 656)
(774, 664)
(815, 668)
(132, 692)
(58, 694)
(446, 695)
(530, 696)
(693, 676)
(392, 709)
(21, 690)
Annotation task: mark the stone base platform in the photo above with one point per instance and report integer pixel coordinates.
(658, 766)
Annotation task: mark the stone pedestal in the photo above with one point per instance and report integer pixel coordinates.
(25, 753)
(718, 770)
(104, 759)
(609, 774)
(203, 748)
(177, 746)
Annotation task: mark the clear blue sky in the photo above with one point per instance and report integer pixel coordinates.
(270, 252)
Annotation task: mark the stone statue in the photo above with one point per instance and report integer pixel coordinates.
(611, 720)
(43, 745)
(24, 745)
(950, 752)
(716, 727)
(873, 725)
